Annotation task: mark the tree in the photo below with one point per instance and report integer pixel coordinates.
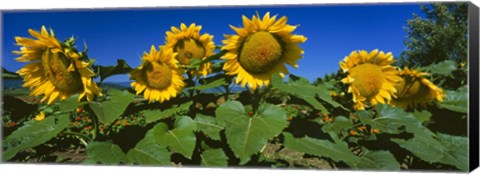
(442, 35)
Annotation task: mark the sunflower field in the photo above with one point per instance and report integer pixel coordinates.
(193, 102)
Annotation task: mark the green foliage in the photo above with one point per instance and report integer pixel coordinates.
(214, 158)
(106, 71)
(302, 88)
(442, 68)
(381, 160)
(32, 134)
(456, 100)
(105, 153)
(69, 104)
(339, 151)
(109, 110)
(208, 125)
(155, 114)
(446, 149)
(214, 84)
(339, 123)
(180, 139)
(9, 75)
(149, 152)
(442, 35)
(246, 134)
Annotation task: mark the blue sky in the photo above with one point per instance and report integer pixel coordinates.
(333, 31)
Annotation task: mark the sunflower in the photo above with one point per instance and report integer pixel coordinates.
(54, 70)
(371, 77)
(260, 50)
(415, 90)
(189, 44)
(158, 77)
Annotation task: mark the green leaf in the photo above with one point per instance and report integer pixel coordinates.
(364, 117)
(214, 158)
(452, 150)
(208, 126)
(33, 133)
(322, 148)
(155, 114)
(443, 68)
(149, 152)
(456, 100)
(106, 71)
(339, 123)
(105, 153)
(422, 116)
(9, 75)
(69, 104)
(180, 139)
(303, 89)
(109, 110)
(229, 110)
(247, 135)
(393, 120)
(195, 63)
(339, 151)
(379, 160)
(216, 83)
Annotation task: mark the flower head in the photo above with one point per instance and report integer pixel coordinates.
(158, 77)
(260, 49)
(54, 70)
(189, 44)
(415, 90)
(371, 77)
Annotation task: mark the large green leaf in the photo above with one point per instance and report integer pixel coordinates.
(109, 110)
(422, 116)
(379, 160)
(394, 120)
(445, 149)
(339, 123)
(246, 135)
(214, 158)
(229, 110)
(339, 151)
(69, 104)
(155, 114)
(302, 88)
(180, 139)
(33, 133)
(323, 148)
(149, 152)
(105, 153)
(443, 68)
(208, 125)
(106, 71)
(216, 83)
(456, 100)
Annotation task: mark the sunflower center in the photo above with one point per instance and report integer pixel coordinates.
(158, 75)
(55, 68)
(368, 79)
(410, 87)
(189, 49)
(260, 52)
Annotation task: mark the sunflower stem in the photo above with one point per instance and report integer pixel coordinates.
(95, 122)
(256, 100)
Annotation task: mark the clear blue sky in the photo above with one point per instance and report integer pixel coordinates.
(333, 31)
